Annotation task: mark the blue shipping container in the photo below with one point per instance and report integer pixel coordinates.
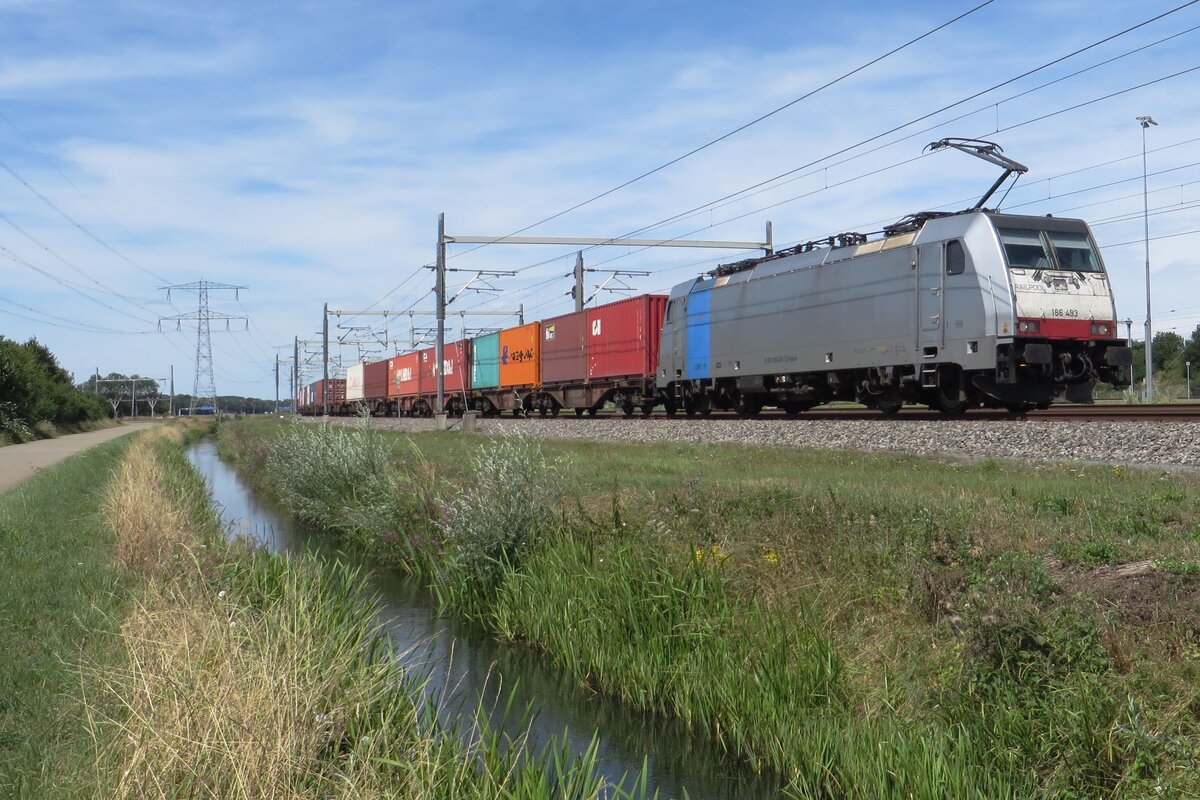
(485, 361)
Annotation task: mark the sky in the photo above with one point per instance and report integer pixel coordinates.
(305, 150)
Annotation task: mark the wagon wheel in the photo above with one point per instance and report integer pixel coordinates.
(670, 408)
(554, 411)
(627, 409)
(579, 412)
(591, 412)
(542, 411)
(647, 409)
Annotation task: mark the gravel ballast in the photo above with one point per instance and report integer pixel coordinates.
(1160, 444)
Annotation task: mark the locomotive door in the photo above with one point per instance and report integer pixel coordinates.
(930, 299)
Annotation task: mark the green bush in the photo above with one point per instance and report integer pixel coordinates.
(505, 510)
(345, 480)
(37, 390)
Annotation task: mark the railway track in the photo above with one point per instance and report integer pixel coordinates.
(1099, 412)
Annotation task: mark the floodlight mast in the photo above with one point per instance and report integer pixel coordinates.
(989, 152)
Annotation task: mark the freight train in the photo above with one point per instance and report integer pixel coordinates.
(949, 310)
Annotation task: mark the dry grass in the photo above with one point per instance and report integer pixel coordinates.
(245, 692)
(152, 529)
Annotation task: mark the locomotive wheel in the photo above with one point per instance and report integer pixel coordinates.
(670, 408)
(890, 409)
(748, 408)
(1020, 409)
(703, 405)
(627, 409)
(796, 409)
(949, 396)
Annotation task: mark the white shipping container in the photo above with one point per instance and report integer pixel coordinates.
(354, 382)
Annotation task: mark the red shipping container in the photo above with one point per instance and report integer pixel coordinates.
(564, 348)
(404, 377)
(456, 366)
(375, 380)
(315, 395)
(622, 337)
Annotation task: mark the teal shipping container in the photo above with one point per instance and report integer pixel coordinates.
(485, 361)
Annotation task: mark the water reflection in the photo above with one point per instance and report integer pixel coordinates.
(465, 669)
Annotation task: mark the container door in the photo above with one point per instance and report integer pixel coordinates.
(930, 297)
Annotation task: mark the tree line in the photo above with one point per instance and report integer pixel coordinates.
(37, 395)
(1170, 354)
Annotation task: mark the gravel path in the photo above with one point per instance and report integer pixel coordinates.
(1161, 444)
(20, 462)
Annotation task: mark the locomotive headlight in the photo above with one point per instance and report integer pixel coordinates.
(1101, 329)
(1028, 326)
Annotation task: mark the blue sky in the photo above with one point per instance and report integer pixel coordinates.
(306, 149)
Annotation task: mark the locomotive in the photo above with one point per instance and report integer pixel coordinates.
(954, 312)
(950, 310)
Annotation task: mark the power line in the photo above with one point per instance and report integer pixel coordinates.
(79, 225)
(923, 117)
(741, 128)
(63, 282)
(720, 202)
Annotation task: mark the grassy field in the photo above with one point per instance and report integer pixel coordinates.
(869, 625)
(147, 657)
(61, 600)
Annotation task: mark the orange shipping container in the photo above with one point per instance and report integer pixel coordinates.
(519, 355)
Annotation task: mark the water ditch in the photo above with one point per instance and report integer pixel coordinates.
(466, 669)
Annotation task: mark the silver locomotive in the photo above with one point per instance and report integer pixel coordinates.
(954, 311)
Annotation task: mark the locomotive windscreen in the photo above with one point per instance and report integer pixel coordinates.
(1061, 250)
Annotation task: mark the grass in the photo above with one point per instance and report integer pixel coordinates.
(60, 598)
(146, 657)
(868, 625)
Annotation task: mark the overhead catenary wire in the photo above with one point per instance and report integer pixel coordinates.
(744, 126)
(774, 180)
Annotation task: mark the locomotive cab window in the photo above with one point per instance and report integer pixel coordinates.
(956, 258)
(1025, 249)
(1074, 252)
(670, 312)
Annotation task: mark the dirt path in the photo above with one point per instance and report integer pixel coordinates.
(19, 462)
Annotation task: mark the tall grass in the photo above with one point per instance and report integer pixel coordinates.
(250, 675)
(348, 482)
(869, 626)
(499, 518)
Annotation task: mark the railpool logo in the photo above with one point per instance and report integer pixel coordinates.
(549, 333)
(595, 327)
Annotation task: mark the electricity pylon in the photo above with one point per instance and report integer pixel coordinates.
(205, 386)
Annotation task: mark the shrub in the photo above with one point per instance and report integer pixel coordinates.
(501, 516)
